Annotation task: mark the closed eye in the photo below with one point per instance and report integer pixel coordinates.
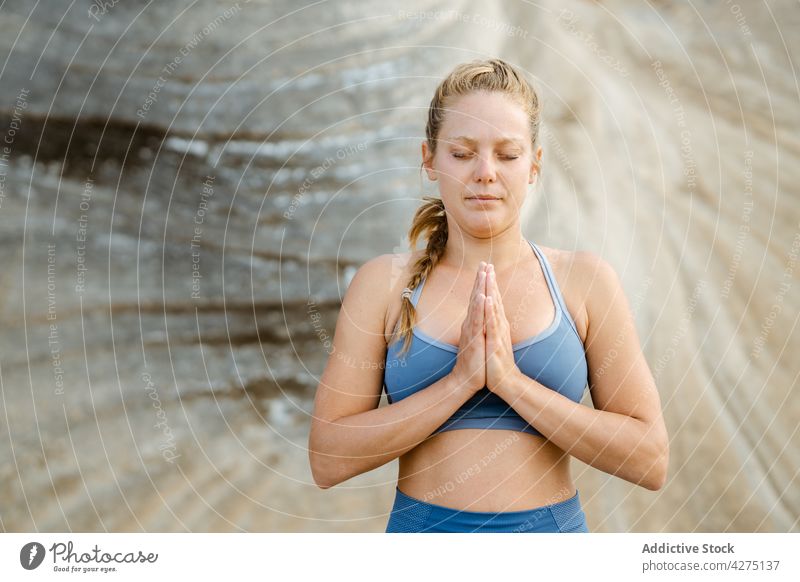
(463, 156)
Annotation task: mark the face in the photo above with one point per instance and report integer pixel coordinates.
(483, 162)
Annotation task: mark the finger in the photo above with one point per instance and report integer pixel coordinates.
(476, 306)
(474, 320)
(479, 286)
(489, 322)
(490, 284)
(482, 279)
(498, 300)
(492, 280)
(479, 280)
(479, 316)
(476, 330)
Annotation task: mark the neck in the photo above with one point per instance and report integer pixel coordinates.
(504, 250)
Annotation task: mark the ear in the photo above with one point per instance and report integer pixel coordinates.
(536, 165)
(427, 161)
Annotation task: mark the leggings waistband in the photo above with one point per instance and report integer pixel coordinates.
(412, 514)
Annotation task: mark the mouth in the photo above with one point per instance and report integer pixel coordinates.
(482, 200)
(484, 197)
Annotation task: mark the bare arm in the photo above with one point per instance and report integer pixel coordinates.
(345, 447)
(624, 434)
(350, 435)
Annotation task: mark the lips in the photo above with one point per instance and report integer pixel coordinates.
(483, 197)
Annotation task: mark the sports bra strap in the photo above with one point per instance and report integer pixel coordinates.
(550, 279)
(555, 291)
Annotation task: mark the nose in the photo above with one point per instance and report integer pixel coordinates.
(485, 170)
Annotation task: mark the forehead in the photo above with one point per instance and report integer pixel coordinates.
(471, 141)
(492, 118)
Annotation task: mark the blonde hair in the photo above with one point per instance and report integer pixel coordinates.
(478, 75)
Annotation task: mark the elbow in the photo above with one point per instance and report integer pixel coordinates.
(324, 470)
(322, 482)
(656, 476)
(322, 475)
(654, 481)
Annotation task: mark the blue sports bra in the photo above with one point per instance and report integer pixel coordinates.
(554, 357)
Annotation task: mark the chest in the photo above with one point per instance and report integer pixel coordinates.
(443, 306)
(529, 302)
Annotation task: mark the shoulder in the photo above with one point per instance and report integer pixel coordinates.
(586, 280)
(603, 294)
(386, 273)
(593, 275)
(590, 266)
(580, 269)
(382, 280)
(379, 282)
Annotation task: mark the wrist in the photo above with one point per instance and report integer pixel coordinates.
(509, 385)
(465, 386)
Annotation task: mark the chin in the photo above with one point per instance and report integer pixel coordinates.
(484, 228)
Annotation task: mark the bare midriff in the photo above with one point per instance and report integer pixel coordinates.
(486, 470)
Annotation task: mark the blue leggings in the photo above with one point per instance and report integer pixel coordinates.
(411, 515)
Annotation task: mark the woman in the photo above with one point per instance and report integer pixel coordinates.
(484, 416)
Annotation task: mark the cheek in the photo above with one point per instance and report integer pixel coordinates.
(450, 179)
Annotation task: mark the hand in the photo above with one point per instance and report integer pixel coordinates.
(470, 367)
(500, 364)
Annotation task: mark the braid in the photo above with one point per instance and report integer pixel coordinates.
(429, 217)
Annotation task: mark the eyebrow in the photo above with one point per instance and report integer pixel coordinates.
(471, 141)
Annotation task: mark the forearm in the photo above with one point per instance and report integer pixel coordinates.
(615, 443)
(355, 444)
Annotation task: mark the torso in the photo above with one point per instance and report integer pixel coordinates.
(488, 470)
